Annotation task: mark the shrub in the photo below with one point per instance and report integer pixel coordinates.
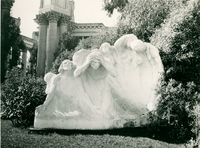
(179, 45)
(195, 142)
(61, 57)
(174, 109)
(65, 50)
(21, 97)
(93, 42)
(66, 42)
(178, 41)
(33, 59)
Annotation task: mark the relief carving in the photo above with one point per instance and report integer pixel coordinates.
(64, 19)
(53, 16)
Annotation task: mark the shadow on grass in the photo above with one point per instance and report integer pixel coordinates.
(127, 131)
(161, 134)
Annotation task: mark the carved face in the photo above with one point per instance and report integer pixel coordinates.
(67, 65)
(95, 64)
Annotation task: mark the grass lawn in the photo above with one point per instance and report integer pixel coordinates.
(13, 137)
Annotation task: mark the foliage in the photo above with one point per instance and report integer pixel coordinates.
(71, 26)
(33, 59)
(15, 41)
(195, 142)
(61, 57)
(66, 41)
(178, 41)
(142, 17)
(20, 97)
(17, 48)
(12, 39)
(93, 42)
(109, 6)
(175, 107)
(67, 44)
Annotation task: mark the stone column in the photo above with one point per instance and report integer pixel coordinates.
(51, 39)
(24, 61)
(63, 28)
(63, 24)
(41, 55)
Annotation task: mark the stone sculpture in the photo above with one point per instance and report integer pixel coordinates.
(102, 88)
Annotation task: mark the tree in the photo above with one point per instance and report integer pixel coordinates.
(142, 17)
(178, 41)
(110, 5)
(17, 47)
(179, 45)
(13, 41)
(33, 58)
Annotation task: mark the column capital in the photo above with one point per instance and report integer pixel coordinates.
(41, 19)
(52, 16)
(71, 25)
(64, 19)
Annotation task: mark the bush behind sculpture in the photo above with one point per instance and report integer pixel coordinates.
(176, 106)
(178, 41)
(65, 50)
(143, 17)
(93, 42)
(179, 45)
(21, 97)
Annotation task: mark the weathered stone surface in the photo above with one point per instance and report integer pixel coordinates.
(102, 88)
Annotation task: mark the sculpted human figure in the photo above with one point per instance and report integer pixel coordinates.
(140, 65)
(126, 108)
(94, 75)
(66, 100)
(109, 53)
(55, 91)
(102, 88)
(110, 57)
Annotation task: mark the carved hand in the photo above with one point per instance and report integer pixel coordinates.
(100, 58)
(89, 59)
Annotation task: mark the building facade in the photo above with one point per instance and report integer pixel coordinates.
(55, 18)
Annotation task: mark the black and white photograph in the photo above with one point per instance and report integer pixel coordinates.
(100, 74)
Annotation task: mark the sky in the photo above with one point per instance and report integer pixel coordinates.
(86, 11)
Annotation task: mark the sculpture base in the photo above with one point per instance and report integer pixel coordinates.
(41, 123)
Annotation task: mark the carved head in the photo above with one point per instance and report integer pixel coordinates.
(95, 64)
(105, 47)
(66, 65)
